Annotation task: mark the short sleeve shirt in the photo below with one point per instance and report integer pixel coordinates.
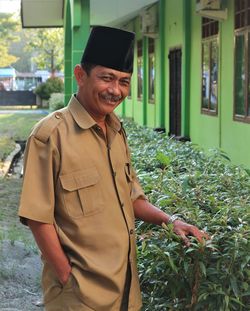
(85, 185)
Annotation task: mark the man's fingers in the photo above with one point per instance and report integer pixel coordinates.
(199, 234)
(183, 237)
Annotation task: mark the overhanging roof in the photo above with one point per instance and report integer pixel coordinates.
(42, 13)
(49, 13)
(8, 72)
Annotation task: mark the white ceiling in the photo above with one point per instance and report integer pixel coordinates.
(108, 12)
(42, 13)
(49, 13)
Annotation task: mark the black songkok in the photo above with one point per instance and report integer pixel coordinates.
(110, 47)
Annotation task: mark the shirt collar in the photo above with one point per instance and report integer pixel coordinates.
(85, 121)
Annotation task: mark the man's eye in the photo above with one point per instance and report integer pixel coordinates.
(106, 78)
(125, 82)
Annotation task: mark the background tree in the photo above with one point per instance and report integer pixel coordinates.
(48, 46)
(18, 49)
(9, 25)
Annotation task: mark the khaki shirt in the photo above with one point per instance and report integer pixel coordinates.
(84, 184)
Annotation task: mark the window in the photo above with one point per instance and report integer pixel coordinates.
(139, 70)
(242, 61)
(210, 59)
(151, 70)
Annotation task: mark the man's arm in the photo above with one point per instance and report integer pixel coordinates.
(49, 244)
(151, 214)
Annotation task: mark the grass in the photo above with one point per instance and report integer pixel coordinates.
(15, 126)
(18, 126)
(6, 146)
(10, 226)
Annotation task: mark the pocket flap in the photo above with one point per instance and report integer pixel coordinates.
(80, 179)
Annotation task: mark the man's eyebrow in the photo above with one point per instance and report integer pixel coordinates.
(126, 79)
(105, 73)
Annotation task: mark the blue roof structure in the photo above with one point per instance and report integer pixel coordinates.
(8, 72)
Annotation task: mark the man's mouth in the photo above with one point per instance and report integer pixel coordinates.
(111, 98)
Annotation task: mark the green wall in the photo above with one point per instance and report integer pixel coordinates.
(234, 134)
(68, 70)
(204, 129)
(77, 25)
(217, 131)
(173, 39)
(142, 111)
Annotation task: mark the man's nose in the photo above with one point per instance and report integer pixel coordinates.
(114, 88)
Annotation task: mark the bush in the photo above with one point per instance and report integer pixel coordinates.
(52, 85)
(56, 101)
(209, 192)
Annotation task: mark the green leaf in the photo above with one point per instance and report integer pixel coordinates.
(203, 268)
(234, 285)
(163, 159)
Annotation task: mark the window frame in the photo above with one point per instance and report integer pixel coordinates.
(209, 111)
(242, 29)
(210, 34)
(140, 57)
(151, 52)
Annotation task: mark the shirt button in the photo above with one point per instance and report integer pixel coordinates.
(131, 231)
(57, 116)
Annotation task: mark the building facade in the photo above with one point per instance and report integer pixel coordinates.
(191, 69)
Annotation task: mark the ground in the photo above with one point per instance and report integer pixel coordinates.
(19, 278)
(20, 265)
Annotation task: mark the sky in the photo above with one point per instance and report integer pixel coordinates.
(9, 6)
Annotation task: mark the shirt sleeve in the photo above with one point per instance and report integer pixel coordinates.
(137, 191)
(40, 166)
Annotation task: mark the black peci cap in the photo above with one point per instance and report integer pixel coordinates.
(110, 47)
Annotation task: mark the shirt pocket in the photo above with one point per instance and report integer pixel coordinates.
(82, 192)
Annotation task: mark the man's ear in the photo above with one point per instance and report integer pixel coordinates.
(80, 74)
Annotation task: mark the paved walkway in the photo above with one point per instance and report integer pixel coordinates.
(11, 111)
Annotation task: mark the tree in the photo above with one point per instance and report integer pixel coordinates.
(18, 49)
(48, 46)
(8, 27)
(6, 59)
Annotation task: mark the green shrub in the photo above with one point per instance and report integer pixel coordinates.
(56, 101)
(209, 192)
(52, 85)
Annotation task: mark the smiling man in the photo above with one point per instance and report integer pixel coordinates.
(80, 194)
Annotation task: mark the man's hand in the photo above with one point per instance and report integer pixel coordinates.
(183, 230)
(63, 278)
(49, 244)
(144, 210)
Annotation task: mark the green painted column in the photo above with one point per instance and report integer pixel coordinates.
(163, 56)
(80, 32)
(76, 32)
(186, 58)
(123, 108)
(68, 74)
(145, 79)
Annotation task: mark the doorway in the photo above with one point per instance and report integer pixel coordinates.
(175, 92)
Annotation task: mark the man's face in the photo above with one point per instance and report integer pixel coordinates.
(102, 90)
